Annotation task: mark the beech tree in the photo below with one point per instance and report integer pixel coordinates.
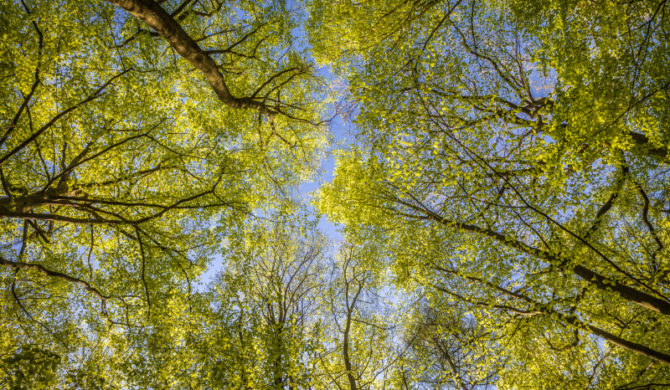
(449, 348)
(273, 277)
(122, 167)
(488, 159)
(356, 352)
(254, 326)
(504, 202)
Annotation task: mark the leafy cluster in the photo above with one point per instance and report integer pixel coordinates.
(504, 203)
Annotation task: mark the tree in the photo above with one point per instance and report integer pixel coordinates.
(449, 348)
(504, 204)
(475, 145)
(355, 353)
(265, 299)
(31, 367)
(120, 169)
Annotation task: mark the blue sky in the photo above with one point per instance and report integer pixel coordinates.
(340, 130)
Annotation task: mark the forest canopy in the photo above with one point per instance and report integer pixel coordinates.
(501, 194)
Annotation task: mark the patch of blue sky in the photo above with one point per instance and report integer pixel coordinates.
(339, 127)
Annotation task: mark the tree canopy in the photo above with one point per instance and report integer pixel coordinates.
(502, 199)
